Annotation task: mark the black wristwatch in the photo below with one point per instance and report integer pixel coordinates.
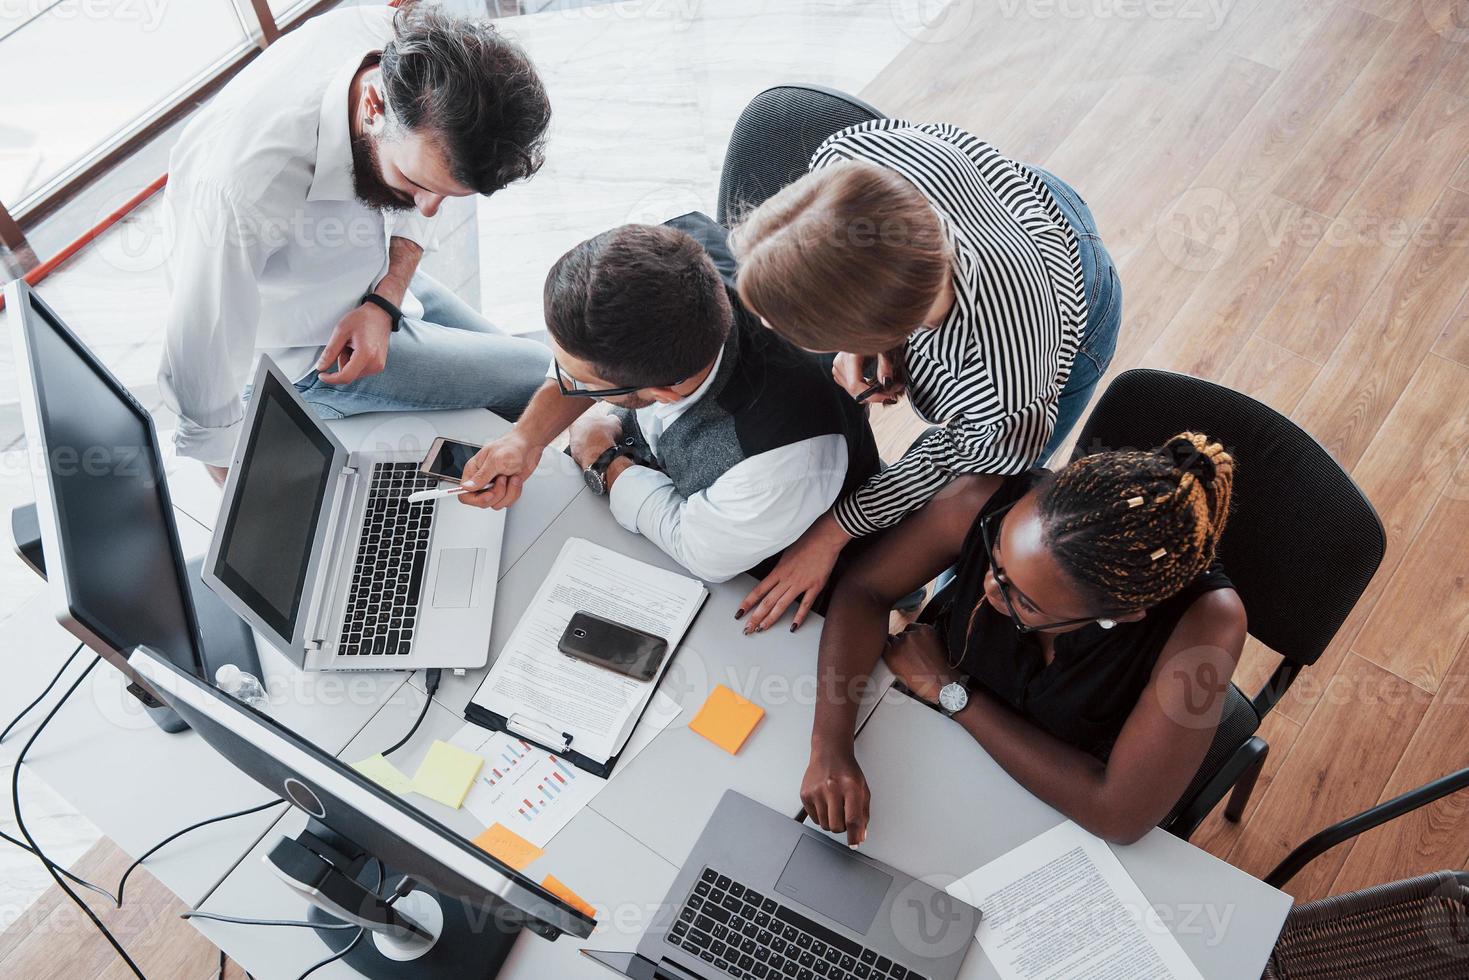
(387, 307)
(596, 474)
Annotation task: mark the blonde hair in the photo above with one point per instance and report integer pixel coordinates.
(850, 258)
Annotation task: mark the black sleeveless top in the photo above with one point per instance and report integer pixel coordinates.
(1086, 693)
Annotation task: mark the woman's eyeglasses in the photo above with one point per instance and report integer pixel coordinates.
(575, 389)
(989, 529)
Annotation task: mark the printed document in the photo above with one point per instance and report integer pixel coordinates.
(1062, 907)
(534, 792)
(533, 680)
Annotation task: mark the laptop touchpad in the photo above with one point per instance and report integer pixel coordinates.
(834, 882)
(454, 584)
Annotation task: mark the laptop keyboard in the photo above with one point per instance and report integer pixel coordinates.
(747, 935)
(382, 604)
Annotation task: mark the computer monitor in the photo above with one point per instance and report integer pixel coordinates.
(114, 566)
(363, 844)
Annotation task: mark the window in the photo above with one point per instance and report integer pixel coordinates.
(81, 75)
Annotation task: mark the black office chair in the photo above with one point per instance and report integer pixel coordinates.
(1301, 546)
(774, 138)
(1414, 929)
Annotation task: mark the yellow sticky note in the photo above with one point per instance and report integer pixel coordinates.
(447, 773)
(384, 773)
(727, 719)
(508, 846)
(555, 887)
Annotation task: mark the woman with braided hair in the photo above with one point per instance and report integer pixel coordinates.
(1088, 645)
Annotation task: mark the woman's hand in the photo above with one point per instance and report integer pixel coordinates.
(847, 372)
(834, 793)
(800, 574)
(919, 658)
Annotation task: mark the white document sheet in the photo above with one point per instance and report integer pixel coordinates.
(1062, 907)
(535, 793)
(534, 681)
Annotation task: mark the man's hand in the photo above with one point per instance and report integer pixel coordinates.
(835, 794)
(218, 473)
(919, 658)
(846, 371)
(497, 473)
(799, 575)
(358, 347)
(593, 435)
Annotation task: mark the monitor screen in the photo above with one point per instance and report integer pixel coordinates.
(266, 538)
(124, 573)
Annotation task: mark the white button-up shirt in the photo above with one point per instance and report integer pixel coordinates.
(757, 508)
(271, 246)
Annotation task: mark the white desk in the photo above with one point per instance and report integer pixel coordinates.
(623, 851)
(776, 670)
(941, 807)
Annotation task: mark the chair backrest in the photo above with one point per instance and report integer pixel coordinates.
(1302, 542)
(774, 138)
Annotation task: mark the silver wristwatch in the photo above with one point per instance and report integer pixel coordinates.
(953, 698)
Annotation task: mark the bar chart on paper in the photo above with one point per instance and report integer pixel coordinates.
(525, 787)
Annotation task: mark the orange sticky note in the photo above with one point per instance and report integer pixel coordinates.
(555, 887)
(727, 719)
(508, 846)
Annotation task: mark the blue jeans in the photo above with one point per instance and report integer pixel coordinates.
(1103, 311)
(452, 358)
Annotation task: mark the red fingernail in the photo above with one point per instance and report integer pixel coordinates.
(740, 613)
(793, 626)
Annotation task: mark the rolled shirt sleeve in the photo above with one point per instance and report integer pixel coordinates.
(424, 232)
(754, 510)
(220, 250)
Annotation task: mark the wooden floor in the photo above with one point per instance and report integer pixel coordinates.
(1287, 198)
(1286, 192)
(52, 940)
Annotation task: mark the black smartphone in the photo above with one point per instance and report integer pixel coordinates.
(599, 641)
(447, 458)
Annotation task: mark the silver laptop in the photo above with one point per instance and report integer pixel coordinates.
(320, 551)
(763, 897)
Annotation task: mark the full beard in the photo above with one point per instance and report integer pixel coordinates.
(367, 183)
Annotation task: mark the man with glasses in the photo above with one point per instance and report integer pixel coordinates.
(723, 442)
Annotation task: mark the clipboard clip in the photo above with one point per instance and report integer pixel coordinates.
(539, 732)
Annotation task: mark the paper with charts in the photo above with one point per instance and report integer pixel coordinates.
(531, 678)
(535, 793)
(1062, 907)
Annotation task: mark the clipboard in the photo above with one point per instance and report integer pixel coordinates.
(543, 736)
(589, 576)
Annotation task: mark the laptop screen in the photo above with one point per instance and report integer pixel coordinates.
(266, 539)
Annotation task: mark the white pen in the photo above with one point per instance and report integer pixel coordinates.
(422, 495)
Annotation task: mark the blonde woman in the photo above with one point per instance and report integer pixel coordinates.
(936, 268)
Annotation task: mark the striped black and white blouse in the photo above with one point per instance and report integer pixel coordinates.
(991, 374)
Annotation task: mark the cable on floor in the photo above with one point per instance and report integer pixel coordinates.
(50, 866)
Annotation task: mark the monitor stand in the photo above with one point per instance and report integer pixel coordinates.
(226, 638)
(468, 941)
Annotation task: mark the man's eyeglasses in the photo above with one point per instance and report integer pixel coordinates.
(989, 534)
(575, 389)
